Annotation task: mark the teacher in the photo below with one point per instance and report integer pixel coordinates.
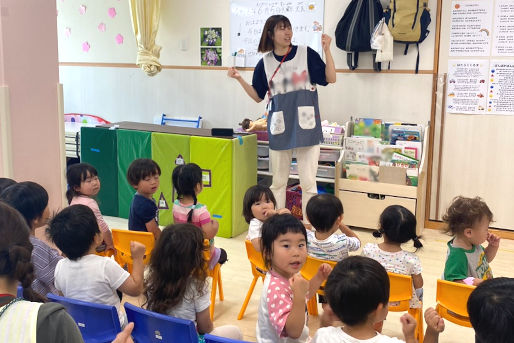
(289, 75)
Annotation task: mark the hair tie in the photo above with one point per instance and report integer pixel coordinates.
(377, 233)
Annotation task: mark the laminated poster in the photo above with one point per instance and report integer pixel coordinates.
(470, 28)
(503, 42)
(467, 86)
(501, 88)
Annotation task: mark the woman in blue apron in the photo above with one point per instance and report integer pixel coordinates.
(289, 75)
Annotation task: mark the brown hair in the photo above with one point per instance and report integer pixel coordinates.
(16, 251)
(464, 213)
(266, 42)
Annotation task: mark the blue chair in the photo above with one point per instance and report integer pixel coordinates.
(19, 292)
(155, 327)
(215, 339)
(98, 323)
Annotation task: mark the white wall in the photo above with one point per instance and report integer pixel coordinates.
(476, 152)
(128, 94)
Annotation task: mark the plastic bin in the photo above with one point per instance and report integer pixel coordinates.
(182, 121)
(329, 155)
(263, 163)
(326, 171)
(262, 151)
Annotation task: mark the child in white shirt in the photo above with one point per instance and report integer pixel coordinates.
(358, 294)
(85, 276)
(325, 213)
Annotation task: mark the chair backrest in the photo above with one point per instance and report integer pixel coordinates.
(19, 291)
(453, 296)
(400, 291)
(216, 339)
(122, 238)
(97, 322)
(155, 327)
(255, 258)
(311, 266)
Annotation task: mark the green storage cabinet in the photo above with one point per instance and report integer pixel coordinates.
(168, 150)
(132, 145)
(230, 167)
(98, 147)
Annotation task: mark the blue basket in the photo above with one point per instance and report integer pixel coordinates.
(182, 122)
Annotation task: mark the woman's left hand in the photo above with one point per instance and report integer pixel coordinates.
(325, 41)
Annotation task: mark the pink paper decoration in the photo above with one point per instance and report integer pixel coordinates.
(101, 27)
(112, 12)
(85, 46)
(67, 32)
(82, 9)
(119, 39)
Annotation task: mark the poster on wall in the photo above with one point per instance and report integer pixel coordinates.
(210, 50)
(503, 42)
(247, 18)
(470, 28)
(467, 86)
(501, 87)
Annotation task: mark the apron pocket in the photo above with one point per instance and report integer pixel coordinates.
(277, 125)
(306, 117)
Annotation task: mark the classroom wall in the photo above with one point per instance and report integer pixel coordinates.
(120, 92)
(476, 150)
(29, 105)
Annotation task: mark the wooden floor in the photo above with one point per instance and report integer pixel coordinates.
(236, 276)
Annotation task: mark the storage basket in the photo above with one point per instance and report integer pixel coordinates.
(333, 138)
(294, 200)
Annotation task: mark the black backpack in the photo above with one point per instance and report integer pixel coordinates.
(353, 32)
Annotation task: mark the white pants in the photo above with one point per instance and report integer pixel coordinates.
(307, 159)
(228, 331)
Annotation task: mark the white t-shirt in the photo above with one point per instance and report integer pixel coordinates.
(400, 262)
(193, 303)
(334, 334)
(274, 308)
(91, 278)
(254, 229)
(333, 248)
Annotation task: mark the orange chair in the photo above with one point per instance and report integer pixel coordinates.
(122, 239)
(258, 271)
(105, 253)
(452, 300)
(309, 270)
(400, 293)
(215, 274)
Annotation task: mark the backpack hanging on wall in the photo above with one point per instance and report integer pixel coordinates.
(354, 30)
(408, 22)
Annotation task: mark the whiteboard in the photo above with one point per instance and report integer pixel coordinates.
(247, 18)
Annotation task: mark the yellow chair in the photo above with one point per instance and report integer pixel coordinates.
(122, 239)
(400, 293)
(215, 274)
(309, 270)
(105, 253)
(452, 300)
(258, 271)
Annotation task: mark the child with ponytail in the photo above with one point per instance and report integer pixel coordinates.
(187, 181)
(398, 226)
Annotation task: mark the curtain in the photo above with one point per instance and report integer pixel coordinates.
(145, 22)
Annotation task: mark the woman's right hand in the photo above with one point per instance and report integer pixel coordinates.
(233, 73)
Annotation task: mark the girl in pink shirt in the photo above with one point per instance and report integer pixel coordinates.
(83, 186)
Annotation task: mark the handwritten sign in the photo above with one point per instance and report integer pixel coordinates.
(247, 18)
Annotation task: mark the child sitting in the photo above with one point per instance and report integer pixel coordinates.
(85, 276)
(143, 174)
(31, 200)
(467, 261)
(491, 311)
(325, 213)
(176, 284)
(259, 204)
(187, 181)
(83, 186)
(282, 307)
(358, 294)
(398, 226)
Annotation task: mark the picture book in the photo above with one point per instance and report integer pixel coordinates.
(404, 135)
(361, 144)
(368, 127)
(411, 148)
